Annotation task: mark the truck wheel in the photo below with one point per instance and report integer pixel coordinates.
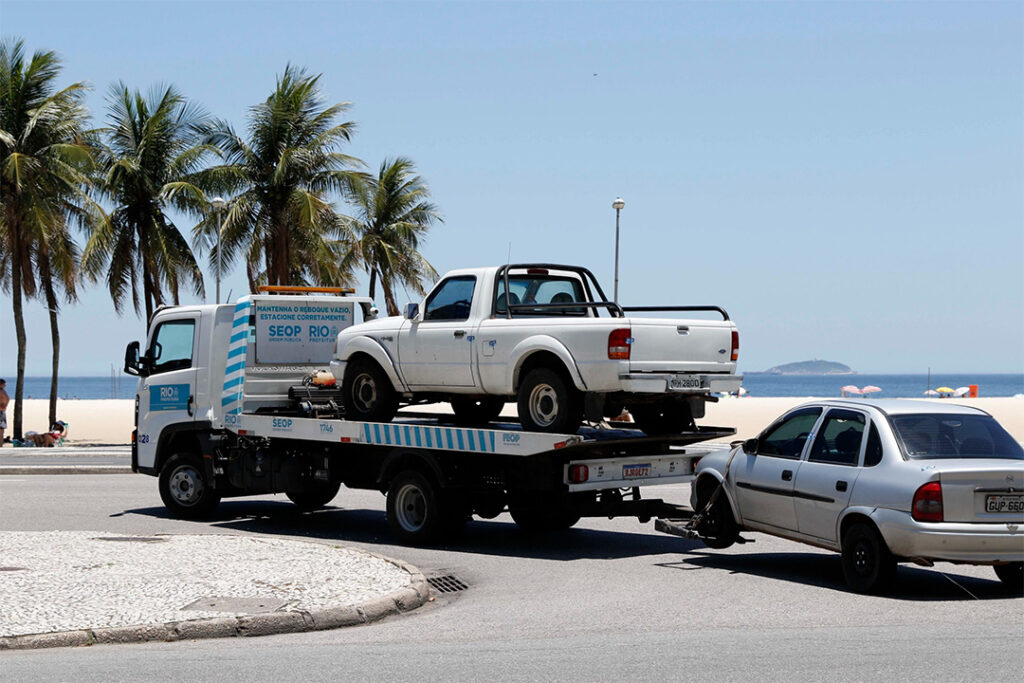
(314, 498)
(368, 393)
(415, 511)
(470, 411)
(718, 528)
(549, 403)
(541, 517)
(184, 489)
(664, 418)
(868, 566)
(1012, 574)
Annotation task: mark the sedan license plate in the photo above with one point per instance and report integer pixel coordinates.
(1004, 503)
(684, 383)
(636, 471)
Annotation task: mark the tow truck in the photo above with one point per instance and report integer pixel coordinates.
(235, 400)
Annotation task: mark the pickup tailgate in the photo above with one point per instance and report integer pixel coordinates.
(666, 345)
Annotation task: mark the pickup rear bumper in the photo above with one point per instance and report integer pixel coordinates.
(678, 383)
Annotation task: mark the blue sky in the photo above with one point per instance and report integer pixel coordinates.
(846, 179)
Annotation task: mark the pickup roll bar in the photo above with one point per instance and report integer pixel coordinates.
(651, 309)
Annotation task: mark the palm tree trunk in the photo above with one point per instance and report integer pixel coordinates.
(51, 305)
(19, 329)
(389, 296)
(373, 280)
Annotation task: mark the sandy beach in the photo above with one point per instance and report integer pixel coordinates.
(107, 422)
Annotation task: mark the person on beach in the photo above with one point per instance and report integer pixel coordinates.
(4, 400)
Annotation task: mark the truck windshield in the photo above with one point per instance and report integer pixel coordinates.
(540, 289)
(942, 435)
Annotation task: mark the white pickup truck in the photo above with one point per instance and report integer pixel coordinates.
(545, 336)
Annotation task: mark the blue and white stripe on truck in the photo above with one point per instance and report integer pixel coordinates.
(234, 372)
(425, 436)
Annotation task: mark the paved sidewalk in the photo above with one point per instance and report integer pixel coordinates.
(64, 588)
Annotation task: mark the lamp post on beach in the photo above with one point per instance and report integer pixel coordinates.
(218, 204)
(618, 205)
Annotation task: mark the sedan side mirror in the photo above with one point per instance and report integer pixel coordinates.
(412, 311)
(750, 446)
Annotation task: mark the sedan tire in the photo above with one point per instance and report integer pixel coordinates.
(1012, 574)
(868, 566)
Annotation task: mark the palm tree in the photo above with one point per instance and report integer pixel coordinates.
(393, 216)
(44, 164)
(281, 219)
(149, 165)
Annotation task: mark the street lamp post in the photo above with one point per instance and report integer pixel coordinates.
(618, 205)
(218, 204)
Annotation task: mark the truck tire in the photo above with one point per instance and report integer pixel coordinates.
(658, 419)
(868, 566)
(542, 519)
(368, 393)
(314, 498)
(184, 489)
(417, 512)
(549, 403)
(471, 411)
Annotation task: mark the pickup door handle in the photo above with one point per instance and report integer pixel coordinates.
(841, 485)
(787, 475)
(460, 333)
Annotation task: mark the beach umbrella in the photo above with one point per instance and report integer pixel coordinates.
(870, 389)
(931, 392)
(849, 389)
(945, 390)
(962, 391)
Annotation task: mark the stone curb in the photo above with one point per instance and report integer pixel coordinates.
(65, 469)
(249, 625)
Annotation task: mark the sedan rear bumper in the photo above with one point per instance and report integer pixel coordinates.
(950, 541)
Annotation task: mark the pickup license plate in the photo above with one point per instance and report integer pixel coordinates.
(636, 471)
(1004, 503)
(685, 383)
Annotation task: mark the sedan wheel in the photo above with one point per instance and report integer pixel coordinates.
(868, 566)
(1012, 574)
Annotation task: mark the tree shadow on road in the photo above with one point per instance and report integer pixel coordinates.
(499, 537)
(825, 571)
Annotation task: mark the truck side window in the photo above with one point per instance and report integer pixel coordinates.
(451, 301)
(172, 346)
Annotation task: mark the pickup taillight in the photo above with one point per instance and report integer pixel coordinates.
(618, 344)
(735, 345)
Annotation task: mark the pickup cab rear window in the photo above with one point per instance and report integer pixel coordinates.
(944, 435)
(540, 289)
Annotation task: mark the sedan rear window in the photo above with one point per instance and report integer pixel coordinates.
(928, 436)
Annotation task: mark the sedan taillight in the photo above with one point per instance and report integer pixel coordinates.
(927, 506)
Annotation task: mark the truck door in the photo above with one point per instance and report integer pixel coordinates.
(168, 394)
(436, 349)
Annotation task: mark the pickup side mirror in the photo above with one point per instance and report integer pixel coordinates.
(412, 311)
(133, 365)
(750, 446)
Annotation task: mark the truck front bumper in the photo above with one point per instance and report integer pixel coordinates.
(679, 383)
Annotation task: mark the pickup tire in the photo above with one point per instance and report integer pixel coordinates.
(184, 489)
(549, 403)
(368, 393)
(658, 419)
(315, 498)
(471, 411)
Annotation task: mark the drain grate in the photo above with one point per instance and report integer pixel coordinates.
(448, 583)
(130, 539)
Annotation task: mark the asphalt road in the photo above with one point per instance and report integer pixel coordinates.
(610, 599)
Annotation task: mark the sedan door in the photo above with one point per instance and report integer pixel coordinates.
(825, 481)
(764, 482)
(435, 350)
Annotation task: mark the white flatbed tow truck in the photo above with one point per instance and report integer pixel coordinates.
(228, 404)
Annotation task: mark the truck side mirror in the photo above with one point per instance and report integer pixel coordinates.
(750, 446)
(132, 364)
(412, 310)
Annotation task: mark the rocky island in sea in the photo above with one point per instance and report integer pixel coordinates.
(810, 367)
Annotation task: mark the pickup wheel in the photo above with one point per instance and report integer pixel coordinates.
(471, 411)
(664, 418)
(368, 393)
(868, 566)
(315, 498)
(417, 513)
(184, 489)
(549, 403)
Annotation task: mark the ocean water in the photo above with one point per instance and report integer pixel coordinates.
(893, 386)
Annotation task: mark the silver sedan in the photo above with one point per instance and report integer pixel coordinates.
(881, 482)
